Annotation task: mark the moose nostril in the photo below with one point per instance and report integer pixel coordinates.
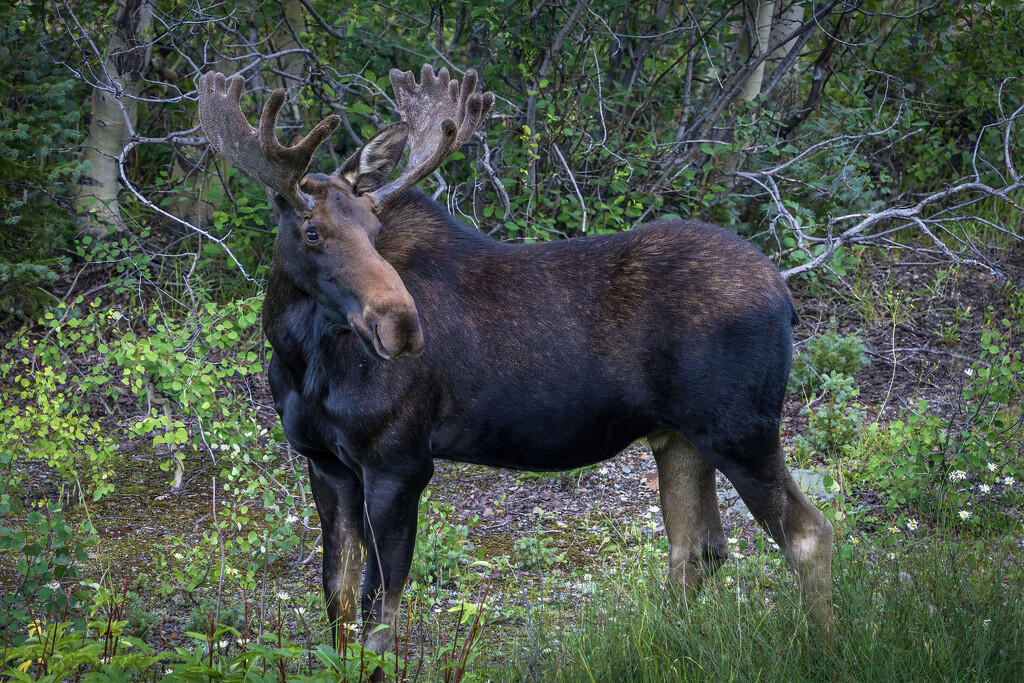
(382, 348)
(396, 335)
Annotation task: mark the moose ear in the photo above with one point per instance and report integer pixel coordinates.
(371, 166)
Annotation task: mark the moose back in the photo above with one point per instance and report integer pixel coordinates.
(402, 335)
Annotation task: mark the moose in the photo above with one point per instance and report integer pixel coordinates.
(402, 335)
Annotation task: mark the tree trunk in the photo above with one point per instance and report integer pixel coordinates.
(789, 20)
(113, 108)
(754, 42)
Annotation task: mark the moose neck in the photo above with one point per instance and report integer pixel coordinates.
(420, 231)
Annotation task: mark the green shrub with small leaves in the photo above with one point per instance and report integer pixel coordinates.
(941, 464)
(828, 352)
(834, 425)
(442, 546)
(535, 552)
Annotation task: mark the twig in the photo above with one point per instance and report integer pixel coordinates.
(579, 195)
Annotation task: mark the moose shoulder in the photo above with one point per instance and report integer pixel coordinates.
(402, 335)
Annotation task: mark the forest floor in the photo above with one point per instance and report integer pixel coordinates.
(921, 325)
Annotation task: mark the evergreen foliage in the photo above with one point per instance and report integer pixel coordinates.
(38, 128)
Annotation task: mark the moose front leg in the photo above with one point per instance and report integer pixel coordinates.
(392, 504)
(339, 502)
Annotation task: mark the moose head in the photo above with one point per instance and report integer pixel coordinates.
(329, 223)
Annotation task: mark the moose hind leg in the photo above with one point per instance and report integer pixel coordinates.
(689, 504)
(803, 533)
(339, 501)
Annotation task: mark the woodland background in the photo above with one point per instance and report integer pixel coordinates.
(873, 150)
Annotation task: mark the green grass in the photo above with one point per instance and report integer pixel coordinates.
(943, 610)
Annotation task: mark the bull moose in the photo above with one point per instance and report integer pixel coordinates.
(402, 335)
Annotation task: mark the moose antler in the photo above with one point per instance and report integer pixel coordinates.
(257, 152)
(441, 116)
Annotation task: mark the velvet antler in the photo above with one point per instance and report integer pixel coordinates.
(441, 117)
(257, 152)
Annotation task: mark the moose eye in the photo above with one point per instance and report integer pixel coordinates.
(312, 236)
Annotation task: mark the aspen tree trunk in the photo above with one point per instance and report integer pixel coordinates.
(755, 41)
(113, 110)
(789, 20)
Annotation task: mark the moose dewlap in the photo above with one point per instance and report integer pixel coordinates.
(402, 335)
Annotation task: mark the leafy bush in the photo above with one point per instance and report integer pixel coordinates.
(44, 552)
(834, 426)
(534, 552)
(828, 352)
(44, 423)
(944, 463)
(442, 547)
(61, 407)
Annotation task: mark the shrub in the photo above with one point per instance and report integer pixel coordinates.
(828, 352)
(442, 547)
(834, 426)
(942, 463)
(534, 552)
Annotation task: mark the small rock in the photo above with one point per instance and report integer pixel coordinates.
(488, 512)
(813, 484)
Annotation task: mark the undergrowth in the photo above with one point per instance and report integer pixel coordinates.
(933, 608)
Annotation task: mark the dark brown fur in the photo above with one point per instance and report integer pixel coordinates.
(401, 335)
(540, 356)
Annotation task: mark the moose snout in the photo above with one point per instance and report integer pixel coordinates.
(396, 333)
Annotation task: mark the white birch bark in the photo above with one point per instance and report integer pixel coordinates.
(113, 107)
(754, 43)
